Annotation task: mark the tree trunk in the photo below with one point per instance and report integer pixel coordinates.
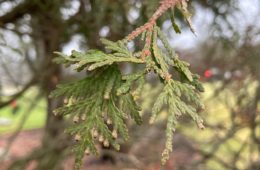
(47, 32)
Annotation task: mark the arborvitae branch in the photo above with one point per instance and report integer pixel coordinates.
(100, 103)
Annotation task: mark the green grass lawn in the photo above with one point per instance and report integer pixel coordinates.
(36, 118)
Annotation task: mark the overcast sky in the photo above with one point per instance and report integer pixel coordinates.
(202, 19)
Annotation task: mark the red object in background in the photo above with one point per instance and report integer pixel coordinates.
(15, 107)
(208, 73)
(13, 104)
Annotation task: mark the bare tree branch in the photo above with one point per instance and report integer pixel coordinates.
(17, 95)
(17, 12)
(12, 138)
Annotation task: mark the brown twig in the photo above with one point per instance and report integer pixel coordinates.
(165, 5)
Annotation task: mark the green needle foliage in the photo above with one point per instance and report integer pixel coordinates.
(101, 102)
(95, 106)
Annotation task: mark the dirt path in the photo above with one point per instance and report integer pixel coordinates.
(27, 141)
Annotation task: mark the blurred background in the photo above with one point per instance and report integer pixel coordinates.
(225, 53)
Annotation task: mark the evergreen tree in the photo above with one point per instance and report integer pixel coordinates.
(50, 28)
(101, 103)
